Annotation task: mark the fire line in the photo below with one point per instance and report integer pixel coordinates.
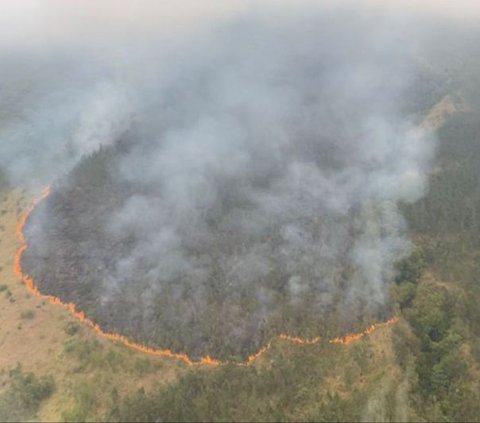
(207, 360)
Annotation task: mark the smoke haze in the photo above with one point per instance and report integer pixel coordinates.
(67, 67)
(265, 143)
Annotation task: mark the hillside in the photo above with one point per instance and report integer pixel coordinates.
(392, 374)
(423, 368)
(89, 375)
(288, 230)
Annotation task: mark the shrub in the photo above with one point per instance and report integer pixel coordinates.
(24, 395)
(71, 328)
(27, 314)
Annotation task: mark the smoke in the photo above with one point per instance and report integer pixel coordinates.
(268, 147)
(72, 74)
(278, 146)
(52, 115)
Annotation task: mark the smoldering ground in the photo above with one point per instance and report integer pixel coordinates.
(249, 181)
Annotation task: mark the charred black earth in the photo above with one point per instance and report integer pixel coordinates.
(75, 255)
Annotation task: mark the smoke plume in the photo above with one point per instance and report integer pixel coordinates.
(265, 151)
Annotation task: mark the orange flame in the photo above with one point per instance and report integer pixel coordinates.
(209, 361)
(351, 337)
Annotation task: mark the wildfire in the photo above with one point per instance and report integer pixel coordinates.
(351, 337)
(209, 361)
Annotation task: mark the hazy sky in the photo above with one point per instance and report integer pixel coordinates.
(43, 22)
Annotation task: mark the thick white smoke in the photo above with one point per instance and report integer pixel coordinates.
(267, 147)
(287, 134)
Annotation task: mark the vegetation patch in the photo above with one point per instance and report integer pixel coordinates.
(24, 395)
(27, 314)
